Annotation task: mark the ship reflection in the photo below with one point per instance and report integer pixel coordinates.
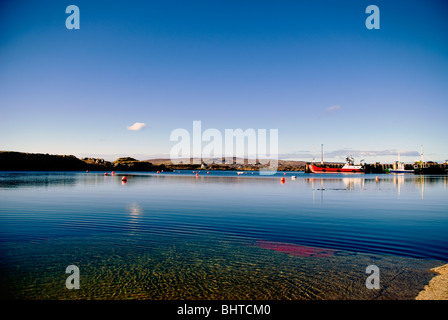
(319, 185)
(402, 183)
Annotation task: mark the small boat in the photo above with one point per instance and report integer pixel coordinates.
(349, 167)
(399, 167)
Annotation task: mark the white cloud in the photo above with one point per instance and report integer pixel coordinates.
(329, 111)
(136, 126)
(333, 108)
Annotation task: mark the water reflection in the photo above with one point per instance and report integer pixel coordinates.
(352, 184)
(37, 179)
(320, 185)
(401, 182)
(193, 229)
(135, 212)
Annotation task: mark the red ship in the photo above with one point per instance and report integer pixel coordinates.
(349, 167)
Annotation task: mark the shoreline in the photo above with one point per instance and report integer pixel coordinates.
(437, 288)
(21, 161)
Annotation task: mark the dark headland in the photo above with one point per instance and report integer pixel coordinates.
(20, 161)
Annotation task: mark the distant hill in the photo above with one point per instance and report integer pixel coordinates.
(20, 161)
(237, 164)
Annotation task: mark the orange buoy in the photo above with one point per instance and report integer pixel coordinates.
(124, 179)
(87, 171)
(377, 178)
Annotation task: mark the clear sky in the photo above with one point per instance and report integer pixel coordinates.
(310, 69)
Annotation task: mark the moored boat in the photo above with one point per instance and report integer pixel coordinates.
(349, 167)
(399, 167)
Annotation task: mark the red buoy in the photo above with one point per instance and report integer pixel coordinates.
(158, 171)
(124, 179)
(283, 179)
(113, 173)
(197, 174)
(105, 173)
(208, 172)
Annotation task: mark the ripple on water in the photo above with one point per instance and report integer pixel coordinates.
(198, 267)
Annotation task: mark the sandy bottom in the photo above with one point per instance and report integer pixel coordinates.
(437, 289)
(194, 267)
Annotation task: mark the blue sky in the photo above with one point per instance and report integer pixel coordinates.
(312, 70)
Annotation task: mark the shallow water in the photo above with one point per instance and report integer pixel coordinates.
(220, 236)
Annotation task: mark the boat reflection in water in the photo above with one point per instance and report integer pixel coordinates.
(400, 182)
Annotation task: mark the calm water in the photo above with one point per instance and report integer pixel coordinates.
(220, 235)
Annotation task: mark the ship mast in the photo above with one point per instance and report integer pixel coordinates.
(322, 154)
(314, 151)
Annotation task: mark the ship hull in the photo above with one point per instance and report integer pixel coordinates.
(401, 171)
(316, 169)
